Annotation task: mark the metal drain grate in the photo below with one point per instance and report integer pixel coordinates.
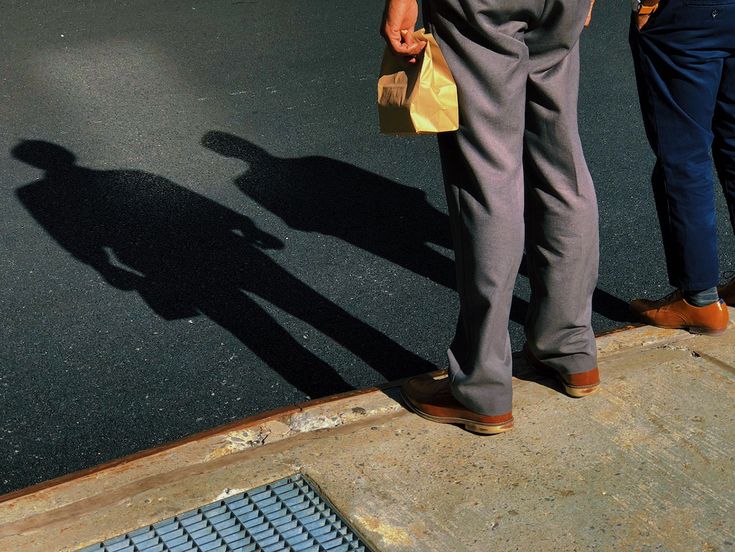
(284, 516)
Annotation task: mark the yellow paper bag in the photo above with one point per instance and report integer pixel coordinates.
(417, 98)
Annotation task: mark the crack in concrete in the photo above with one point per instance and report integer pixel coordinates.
(700, 354)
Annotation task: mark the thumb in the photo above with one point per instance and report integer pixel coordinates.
(412, 46)
(407, 37)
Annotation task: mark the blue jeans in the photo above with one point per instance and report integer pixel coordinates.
(685, 68)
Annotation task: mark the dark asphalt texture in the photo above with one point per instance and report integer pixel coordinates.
(201, 221)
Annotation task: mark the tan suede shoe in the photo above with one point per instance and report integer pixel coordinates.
(429, 396)
(674, 312)
(575, 385)
(727, 292)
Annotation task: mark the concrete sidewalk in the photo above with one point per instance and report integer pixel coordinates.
(645, 464)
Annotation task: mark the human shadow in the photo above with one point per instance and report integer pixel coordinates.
(326, 196)
(388, 219)
(187, 255)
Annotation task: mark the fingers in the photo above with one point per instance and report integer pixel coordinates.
(399, 20)
(403, 43)
(414, 46)
(407, 38)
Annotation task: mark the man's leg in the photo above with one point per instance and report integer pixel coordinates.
(724, 129)
(679, 57)
(483, 174)
(562, 246)
(678, 84)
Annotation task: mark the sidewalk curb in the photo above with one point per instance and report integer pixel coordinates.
(253, 432)
(325, 413)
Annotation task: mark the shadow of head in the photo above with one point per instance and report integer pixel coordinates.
(44, 155)
(229, 145)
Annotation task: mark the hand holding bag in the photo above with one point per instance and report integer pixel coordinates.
(417, 98)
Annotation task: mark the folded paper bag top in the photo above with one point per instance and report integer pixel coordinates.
(417, 98)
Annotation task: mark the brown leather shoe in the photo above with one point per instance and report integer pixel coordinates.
(674, 312)
(428, 395)
(727, 292)
(575, 385)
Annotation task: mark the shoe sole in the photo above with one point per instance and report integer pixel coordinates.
(469, 425)
(696, 330)
(705, 331)
(578, 391)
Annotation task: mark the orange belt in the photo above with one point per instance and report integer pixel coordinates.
(645, 9)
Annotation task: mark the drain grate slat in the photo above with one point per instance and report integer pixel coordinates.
(288, 515)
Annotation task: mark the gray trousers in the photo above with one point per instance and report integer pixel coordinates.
(516, 177)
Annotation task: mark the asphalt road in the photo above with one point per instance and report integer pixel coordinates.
(201, 221)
